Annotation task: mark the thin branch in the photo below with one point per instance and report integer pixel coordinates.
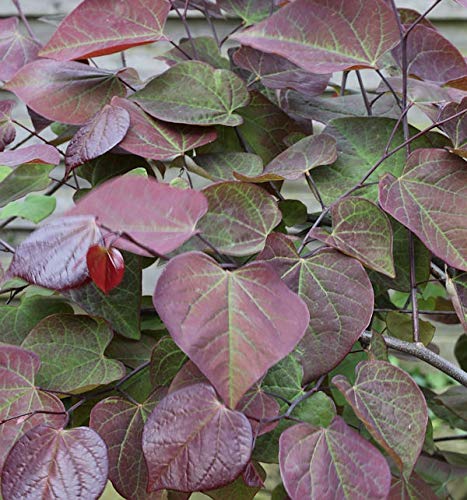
(390, 88)
(226, 37)
(187, 28)
(450, 438)
(421, 311)
(35, 134)
(413, 289)
(7, 247)
(212, 27)
(314, 189)
(364, 94)
(421, 18)
(345, 76)
(17, 4)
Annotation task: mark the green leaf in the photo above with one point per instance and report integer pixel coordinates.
(442, 411)
(400, 326)
(455, 400)
(460, 351)
(221, 166)
(17, 321)
(194, 93)
(4, 172)
(35, 207)
(120, 307)
(132, 353)
(71, 349)
(166, 361)
(294, 212)
(378, 348)
(318, 410)
(24, 179)
(285, 378)
(238, 490)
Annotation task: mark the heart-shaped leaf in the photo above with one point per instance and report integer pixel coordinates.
(457, 128)
(362, 230)
(256, 405)
(54, 256)
(16, 49)
(120, 307)
(48, 462)
(67, 92)
(22, 180)
(106, 267)
(250, 12)
(153, 214)
(35, 207)
(324, 36)
(108, 127)
(391, 406)
(233, 325)
(339, 297)
(189, 374)
(38, 153)
(429, 198)
(334, 462)
(400, 326)
(194, 454)
(166, 361)
(7, 129)
(276, 72)
(222, 166)
(239, 218)
(16, 321)
(213, 97)
(71, 349)
(298, 159)
(159, 140)
(99, 27)
(120, 424)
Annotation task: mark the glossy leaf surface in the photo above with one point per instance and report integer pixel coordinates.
(54, 256)
(390, 404)
(68, 92)
(362, 230)
(152, 138)
(213, 97)
(338, 295)
(430, 198)
(327, 36)
(106, 267)
(48, 461)
(233, 325)
(99, 27)
(154, 214)
(336, 461)
(239, 218)
(207, 452)
(106, 129)
(71, 349)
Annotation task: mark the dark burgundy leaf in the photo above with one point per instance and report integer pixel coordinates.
(391, 406)
(120, 424)
(339, 297)
(413, 489)
(323, 36)
(56, 463)
(233, 325)
(99, 27)
(54, 256)
(239, 489)
(192, 442)
(106, 267)
(16, 50)
(335, 462)
(456, 129)
(408, 16)
(152, 138)
(277, 72)
(100, 135)
(188, 375)
(429, 198)
(257, 405)
(156, 215)
(68, 92)
(7, 129)
(38, 153)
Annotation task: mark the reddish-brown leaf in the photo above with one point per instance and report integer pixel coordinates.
(7, 129)
(100, 135)
(106, 267)
(99, 27)
(38, 153)
(68, 92)
(456, 128)
(192, 442)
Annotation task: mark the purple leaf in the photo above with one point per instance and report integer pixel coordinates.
(456, 129)
(189, 374)
(68, 92)
(335, 462)
(99, 27)
(276, 72)
(298, 159)
(392, 407)
(362, 230)
(256, 406)
(154, 214)
(239, 218)
(339, 297)
(233, 325)
(324, 36)
(414, 489)
(56, 463)
(38, 153)
(16, 50)
(54, 256)
(152, 138)
(430, 199)
(431, 56)
(192, 442)
(108, 127)
(7, 129)
(120, 424)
